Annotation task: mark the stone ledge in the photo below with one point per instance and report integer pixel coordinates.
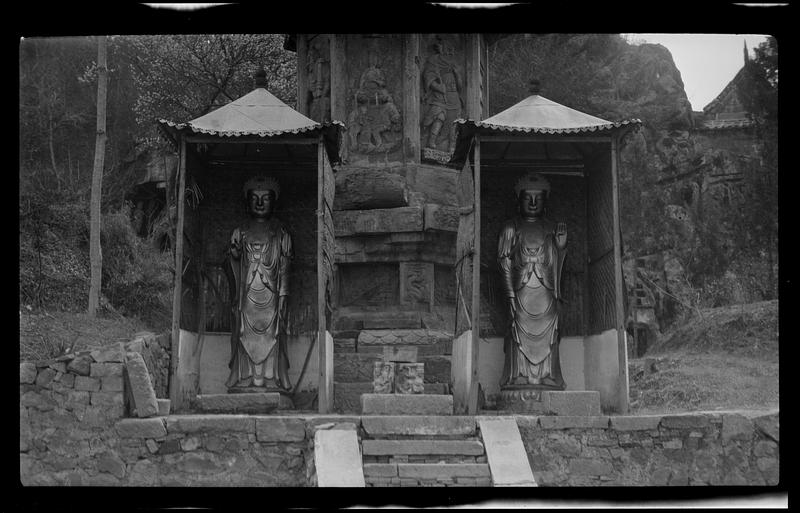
(437, 447)
(688, 421)
(280, 429)
(442, 470)
(211, 424)
(635, 423)
(379, 220)
(418, 425)
(406, 404)
(380, 470)
(403, 337)
(571, 422)
(142, 428)
(571, 403)
(238, 403)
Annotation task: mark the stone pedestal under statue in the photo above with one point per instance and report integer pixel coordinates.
(550, 402)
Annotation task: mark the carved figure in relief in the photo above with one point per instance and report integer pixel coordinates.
(375, 118)
(441, 96)
(531, 253)
(260, 255)
(318, 69)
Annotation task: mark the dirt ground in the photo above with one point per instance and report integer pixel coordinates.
(728, 358)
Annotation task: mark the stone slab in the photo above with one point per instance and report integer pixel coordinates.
(406, 404)
(505, 453)
(27, 372)
(400, 354)
(386, 425)
(380, 220)
(280, 429)
(403, 337)
(437, 447)
(337, 459)
(360, 367)
(347, 396)
(440, 217)
(635, 422)
(569, 422)
(690, 421)
(140, 386)
(142, 428)
(210, 424)
(572, 402)
(163, 407)
(238, 403)
(380, 469)
(442, 470)
(111, 353)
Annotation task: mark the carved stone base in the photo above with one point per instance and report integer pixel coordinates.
(521, 400)
(284, 402)
(438, 156)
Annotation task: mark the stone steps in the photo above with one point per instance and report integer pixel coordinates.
(420, 450)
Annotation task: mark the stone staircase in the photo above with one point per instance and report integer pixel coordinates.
(360, 338)
(423, 451)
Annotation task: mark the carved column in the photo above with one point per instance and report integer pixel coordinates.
(338, 77)
(473, 53)
(411, 103)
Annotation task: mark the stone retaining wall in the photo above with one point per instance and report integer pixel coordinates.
(715, 448)
(156, 351)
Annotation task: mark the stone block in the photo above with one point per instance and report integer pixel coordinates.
(280, 429)
(406, 404)
(397, 353)
(769, 425)
(81, 365)
(574, 403)
(440, 217)
(383, 377)
(27, 372)
(87, 384)
(337, 459)
(141, 428)
(569, 422)
(736, 427)
(36, 400)
(635, 422)
(442, 470)
(380, 470)
(589, 467)
(358, 188)
(505, 453)
(421, 447)
(140, 386)
(409, 378)
(163, 407)
(112, 353)
(190, 444)
(67, 380)
(418, 425)
(111, 384)
(44, 377)
(385, 220)
(111, 463)
(210, 424)
(238, 403)
(102, 370)
(691, 421)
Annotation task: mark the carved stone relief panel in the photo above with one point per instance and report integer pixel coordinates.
(374, 97)
(416, 284)
(442, 94)
(318, 71)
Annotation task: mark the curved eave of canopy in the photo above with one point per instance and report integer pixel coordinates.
(257, 115)
(537, 118)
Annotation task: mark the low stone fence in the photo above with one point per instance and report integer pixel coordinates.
(156, 351)
(716, 448)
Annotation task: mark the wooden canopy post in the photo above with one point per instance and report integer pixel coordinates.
(325, 343)
(622, 399)
(175, 384)
(472, 371)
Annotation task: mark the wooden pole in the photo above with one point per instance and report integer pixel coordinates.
(472, 400)
(175, 392)
(95, 252)
(325, 385)
(622, 400)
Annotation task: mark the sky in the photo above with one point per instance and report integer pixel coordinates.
(707, 62)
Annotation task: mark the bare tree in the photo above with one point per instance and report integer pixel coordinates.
(95, 253)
